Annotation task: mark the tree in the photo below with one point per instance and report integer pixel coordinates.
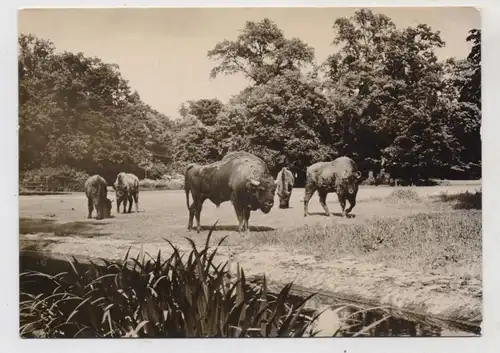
(194, 143)
(471, 88)
(206, 110)
(260, 52)
(80, 112)
(284, 121)
(384, 83)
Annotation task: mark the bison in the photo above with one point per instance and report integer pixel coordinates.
(239, 177)
(127, 189)
(284, 186)
(340, 176)
(96, 190)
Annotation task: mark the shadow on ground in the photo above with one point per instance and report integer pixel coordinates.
(234, 228)
(48, 226)
(336, 214)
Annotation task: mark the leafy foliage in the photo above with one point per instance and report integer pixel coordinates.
(61, 178)
(284, 121)
(182, 296)
(78, 111)
(260, 53)
(383, 98)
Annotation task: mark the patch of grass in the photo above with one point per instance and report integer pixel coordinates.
(429, 241)
(464, 201)
(162, 184)
(49, 226)
(404, 195)
(35, 245)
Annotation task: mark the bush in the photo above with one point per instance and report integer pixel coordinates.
(183, 296)
(58, 179)
(464, 200)
(157, 171)
(404, 194)
(163, 184)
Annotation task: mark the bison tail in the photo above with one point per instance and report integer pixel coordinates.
(186, 189)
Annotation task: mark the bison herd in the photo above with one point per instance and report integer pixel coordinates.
(239, 177)
(126, 188)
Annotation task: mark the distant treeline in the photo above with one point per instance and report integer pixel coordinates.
(383, 98)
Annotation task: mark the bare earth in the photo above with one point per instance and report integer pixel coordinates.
(164, 215)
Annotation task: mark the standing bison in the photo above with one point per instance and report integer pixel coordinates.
(96, 190)
(340, 176)
(127, 189)
(284, 186)
(240, 177)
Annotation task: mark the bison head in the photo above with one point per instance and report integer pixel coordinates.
(353, 181)
(120, 194)
(350, 181)
(262, 193)
(284, 197)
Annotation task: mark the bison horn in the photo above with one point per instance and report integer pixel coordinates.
(254, 182)
(358, 174)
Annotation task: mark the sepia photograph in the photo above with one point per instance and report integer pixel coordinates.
(250, 172)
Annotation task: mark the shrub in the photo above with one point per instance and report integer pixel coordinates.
(157, 171)
(464, 200)
(403, 195)
(182, 296)
(62, 178)
(167, 182)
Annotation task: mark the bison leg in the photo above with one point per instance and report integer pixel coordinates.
(191, 216)
(130, 200)
(197, 209)
(90, 205)
(352, 202)
(136, 199)
(240, 214)
(118, 203)
(309, 191)
(124, 205)
(322, 201)
(342, 200)
(98, 208)
(246, 214)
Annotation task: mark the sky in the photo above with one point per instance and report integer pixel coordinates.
(163, 52)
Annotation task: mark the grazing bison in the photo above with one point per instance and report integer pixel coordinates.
(284, 186)
(127, 189)
(239, 177)
(96, 190)
(340, 176)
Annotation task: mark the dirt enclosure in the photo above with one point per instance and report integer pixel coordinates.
(415, 253)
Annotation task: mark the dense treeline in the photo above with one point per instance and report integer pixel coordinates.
(383, 98)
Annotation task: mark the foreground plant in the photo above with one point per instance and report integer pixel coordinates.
(176, 297)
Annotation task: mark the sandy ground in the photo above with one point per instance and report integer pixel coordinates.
(163, 214)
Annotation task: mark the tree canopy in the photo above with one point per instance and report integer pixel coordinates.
(382, 98)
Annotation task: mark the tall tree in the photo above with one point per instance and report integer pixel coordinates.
(284, 121)
(260, 52)
(79, 111)
(206, 110)
(384, 83)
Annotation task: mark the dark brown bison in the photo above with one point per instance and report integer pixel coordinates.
(240, 177)
(96, 190)
(284, 186)
(127, 189)
(340, 176)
